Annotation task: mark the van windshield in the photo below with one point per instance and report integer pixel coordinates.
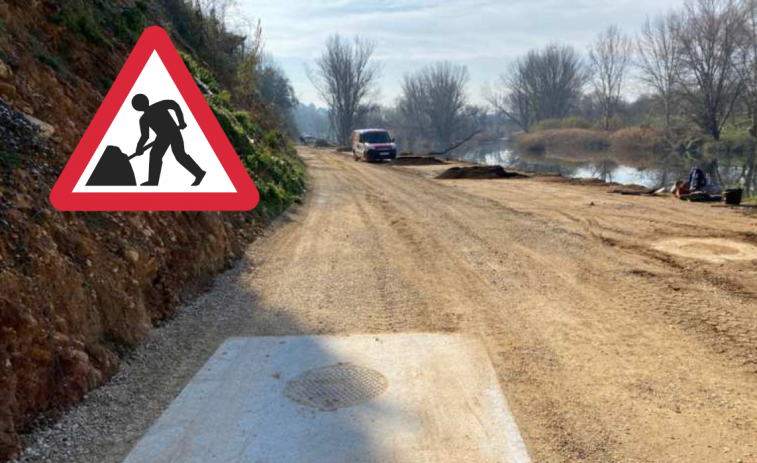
(376, 137)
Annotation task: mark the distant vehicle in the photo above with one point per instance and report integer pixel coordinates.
(372, 145)
(308, 140)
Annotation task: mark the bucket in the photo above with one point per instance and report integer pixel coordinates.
(733, 197)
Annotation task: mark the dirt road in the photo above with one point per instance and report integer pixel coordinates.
(614, 338)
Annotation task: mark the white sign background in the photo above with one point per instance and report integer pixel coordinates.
(124, 132)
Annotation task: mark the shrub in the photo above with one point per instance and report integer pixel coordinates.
(567, 123)
(269, 157)
(80, 19)
(280, 178)
(201, 73)
(639, 138)
(579, 139)
(130, 22)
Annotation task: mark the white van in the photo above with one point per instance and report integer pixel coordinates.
(372, 145)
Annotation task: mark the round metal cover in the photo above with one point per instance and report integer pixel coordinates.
(338, 386)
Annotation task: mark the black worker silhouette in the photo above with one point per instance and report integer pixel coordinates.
(114, 168)
(168, 134)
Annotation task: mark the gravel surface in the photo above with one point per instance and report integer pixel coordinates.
(608, 348)
(111, 419)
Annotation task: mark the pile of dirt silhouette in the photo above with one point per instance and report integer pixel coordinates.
(113, 169)
(478, 173)
(418, 161)
(78, 291)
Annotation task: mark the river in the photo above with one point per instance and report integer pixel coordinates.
(635, 168)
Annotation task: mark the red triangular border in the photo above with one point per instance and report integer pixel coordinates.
(154, 39)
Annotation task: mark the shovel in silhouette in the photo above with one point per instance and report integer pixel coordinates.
(114, 168)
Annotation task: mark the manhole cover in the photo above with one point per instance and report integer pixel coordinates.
(337, 386)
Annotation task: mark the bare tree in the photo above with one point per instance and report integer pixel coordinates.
(512, 100)
(434, 98)
(249, 56)
(748, 66)
(345, 77)
(610, 58)
(660, 61)
(712, 33)
(544, 84)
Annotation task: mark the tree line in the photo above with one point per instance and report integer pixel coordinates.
(698, 64)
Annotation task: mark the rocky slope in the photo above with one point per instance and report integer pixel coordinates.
(79, 290)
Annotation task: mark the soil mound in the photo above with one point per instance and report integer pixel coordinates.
(418, 161)
(478, 173)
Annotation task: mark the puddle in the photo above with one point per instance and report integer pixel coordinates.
(714, 250)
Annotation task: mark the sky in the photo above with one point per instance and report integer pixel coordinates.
(484, 35)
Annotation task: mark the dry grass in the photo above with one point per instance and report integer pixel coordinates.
(578, 139)
(642, 139)
(638, 138)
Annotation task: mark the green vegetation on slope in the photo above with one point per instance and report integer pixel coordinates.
(83, 289)
(268, 156)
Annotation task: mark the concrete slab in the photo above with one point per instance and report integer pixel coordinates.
(404, 398)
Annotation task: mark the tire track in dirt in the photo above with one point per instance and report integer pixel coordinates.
(488, 321)
(608, 350)
(538, 254)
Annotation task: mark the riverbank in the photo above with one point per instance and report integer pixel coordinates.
(566, 156)
(639, 138)
(562, 139)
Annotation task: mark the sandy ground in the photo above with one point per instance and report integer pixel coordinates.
(621, 328)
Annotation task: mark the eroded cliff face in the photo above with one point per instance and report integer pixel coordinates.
(78, 290)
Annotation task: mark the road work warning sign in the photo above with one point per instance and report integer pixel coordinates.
(154, 144)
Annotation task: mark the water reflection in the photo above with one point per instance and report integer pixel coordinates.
(634, 168)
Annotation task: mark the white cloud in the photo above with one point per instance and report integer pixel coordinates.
(482, 34)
